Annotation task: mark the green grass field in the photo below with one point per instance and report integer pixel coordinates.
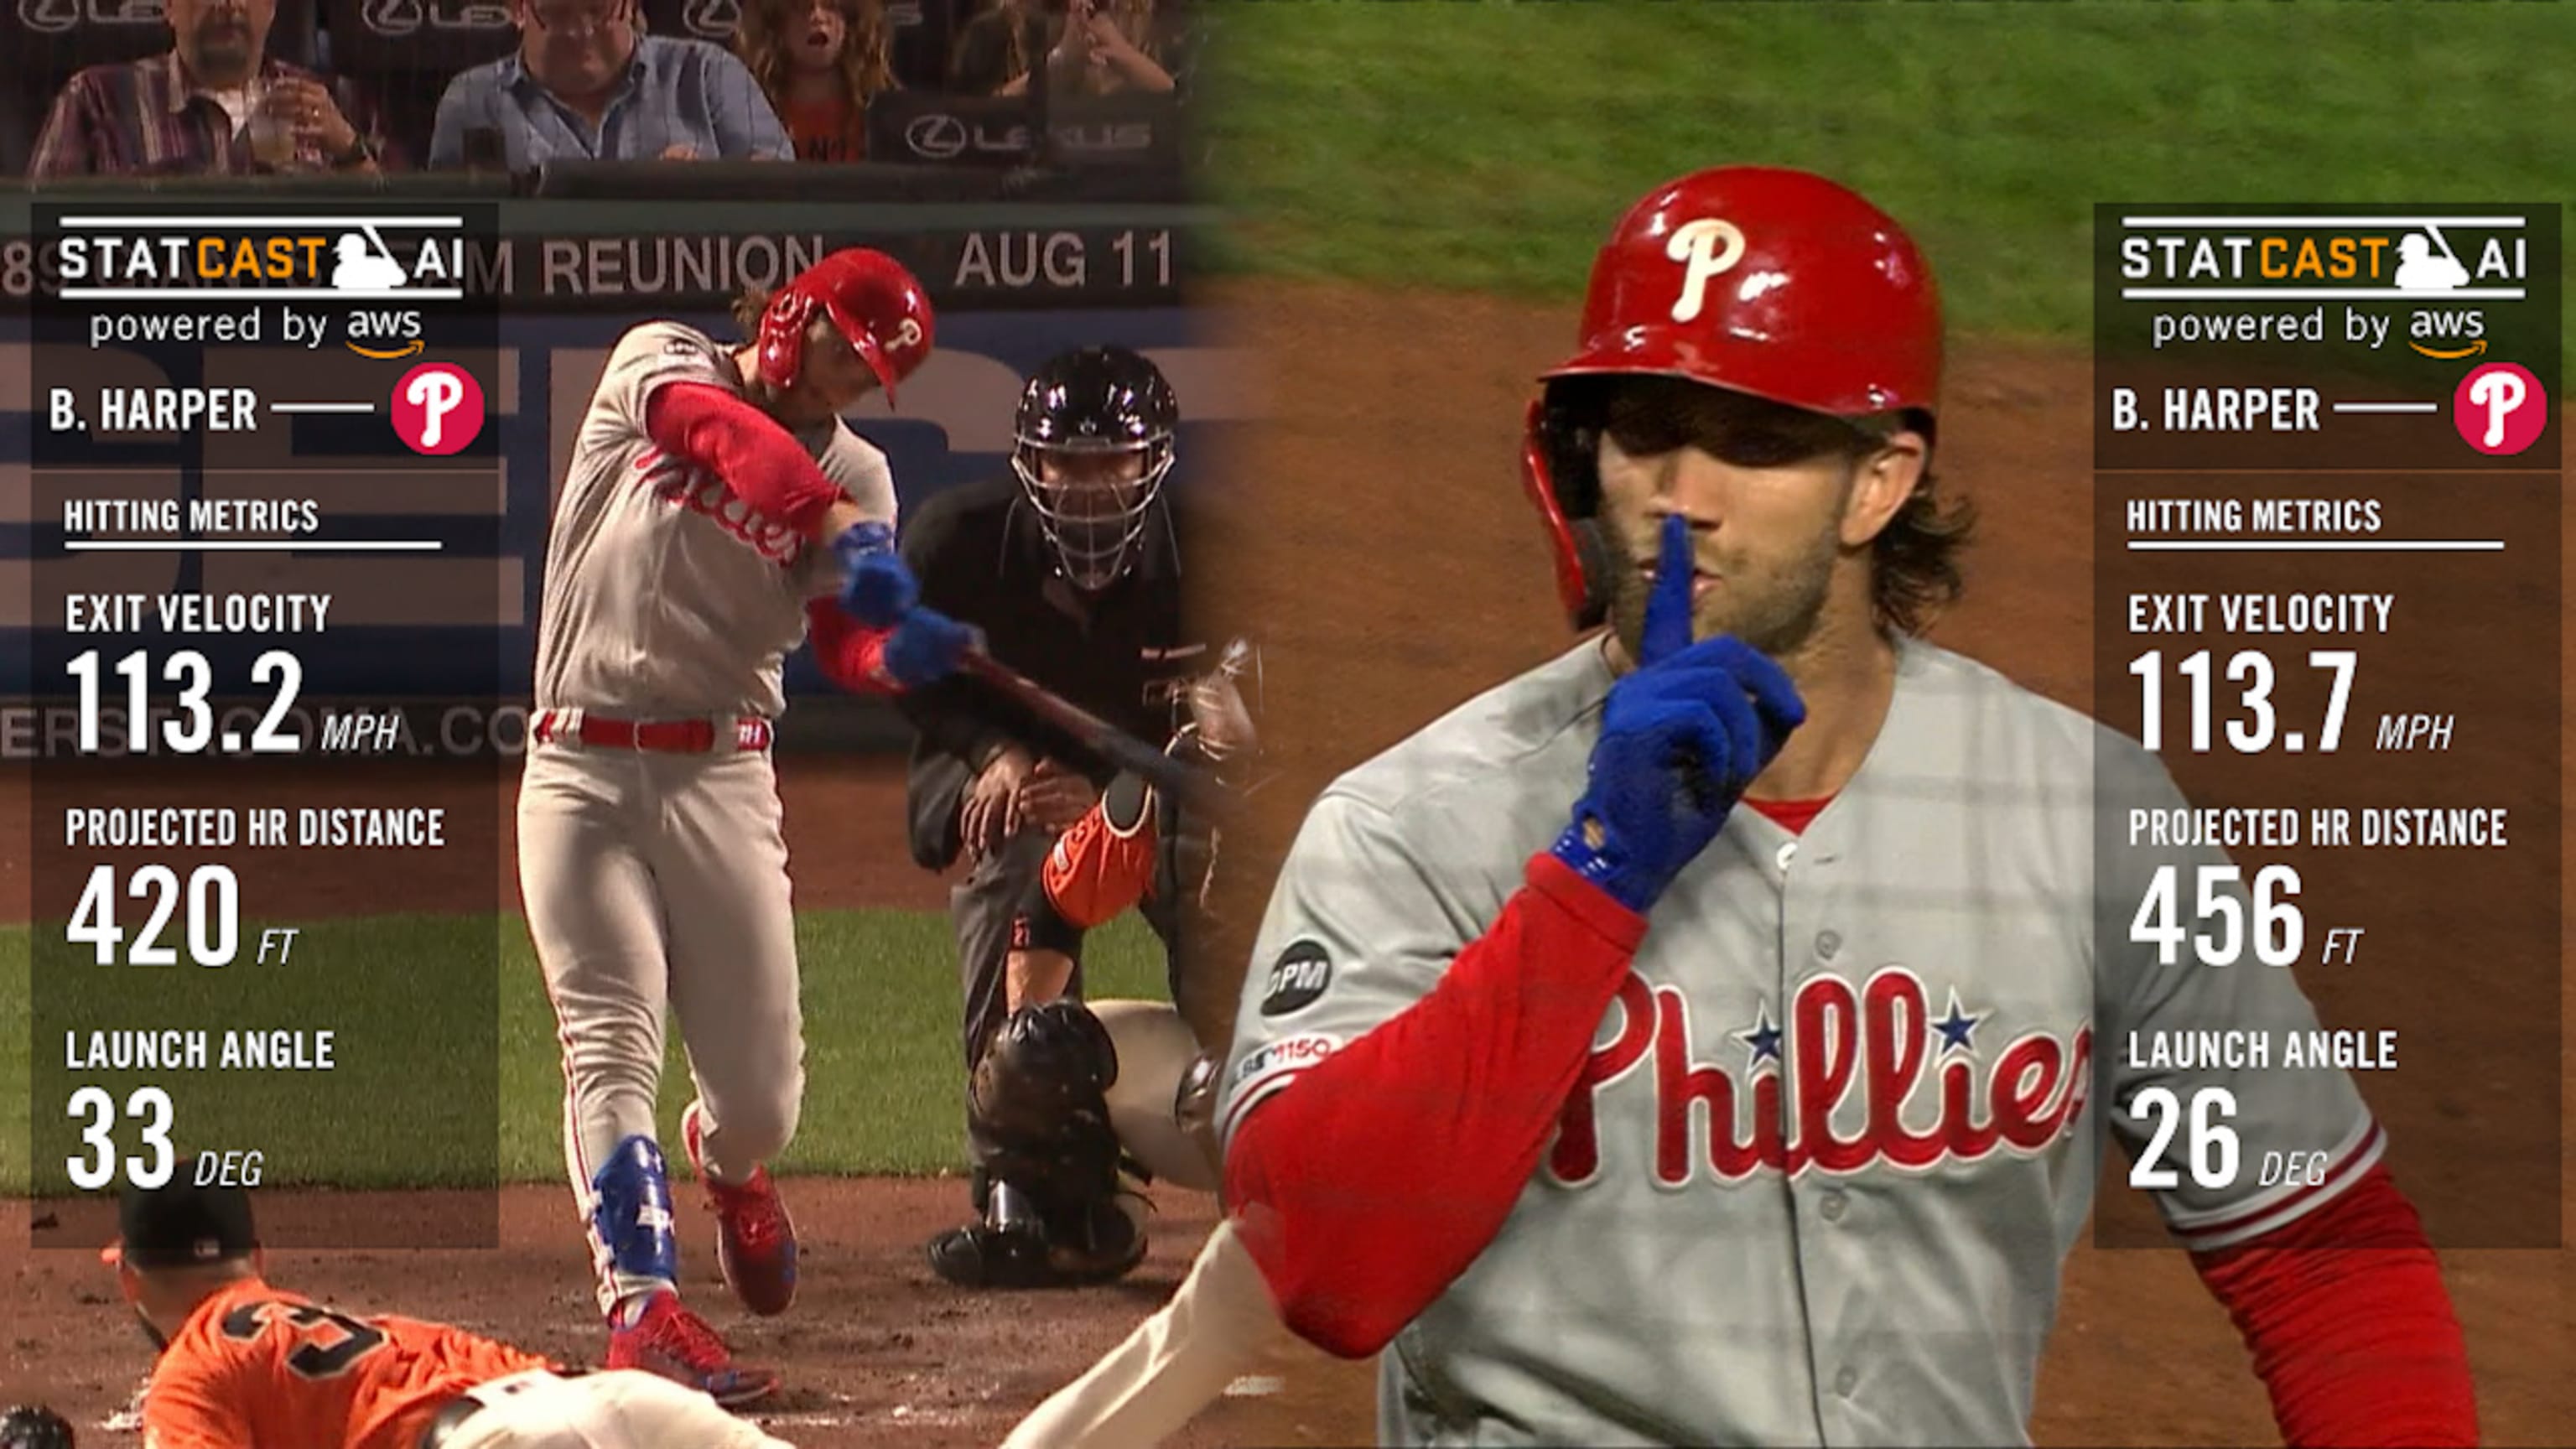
(882, 1070)
(1485, 145)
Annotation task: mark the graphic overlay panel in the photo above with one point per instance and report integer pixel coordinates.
(2327, 602)
(264, 912)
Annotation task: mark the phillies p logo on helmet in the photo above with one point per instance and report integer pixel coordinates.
(1705, 248)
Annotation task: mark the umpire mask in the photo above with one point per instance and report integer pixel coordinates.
(1092, 446)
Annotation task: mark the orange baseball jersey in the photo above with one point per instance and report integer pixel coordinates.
(1097, 868)
(261, 1368)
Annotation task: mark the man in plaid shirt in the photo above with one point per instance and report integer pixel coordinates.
(191, 110)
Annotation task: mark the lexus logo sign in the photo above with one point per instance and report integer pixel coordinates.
(937, 137)
(56, 17)
(712, 19)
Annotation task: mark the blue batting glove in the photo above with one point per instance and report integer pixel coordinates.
(876, 587)
(926, 646)
(1681, 738)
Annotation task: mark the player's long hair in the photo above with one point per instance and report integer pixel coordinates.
(748, 304)
(766, 41)
(1914, 561)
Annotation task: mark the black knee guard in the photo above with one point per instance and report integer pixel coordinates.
(1040, 1095)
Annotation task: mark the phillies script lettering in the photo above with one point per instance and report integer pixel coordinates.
(684, 485)
(1877, 1041)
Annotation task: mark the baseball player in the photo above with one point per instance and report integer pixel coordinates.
(1707, 1037)
(247, 1365)
(1135, 848)
(1071, 566)
(717, 510)
(1069, 1091)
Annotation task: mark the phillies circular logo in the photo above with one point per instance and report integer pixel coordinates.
(2499, 408)
(438, 408)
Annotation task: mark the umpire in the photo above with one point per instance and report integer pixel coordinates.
(1072, 568)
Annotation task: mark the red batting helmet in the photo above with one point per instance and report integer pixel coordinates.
(1758, 279)
(877, 305)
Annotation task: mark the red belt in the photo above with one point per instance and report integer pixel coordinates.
(672, 736)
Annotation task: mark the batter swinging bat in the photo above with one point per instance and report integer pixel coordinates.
(1174, 778)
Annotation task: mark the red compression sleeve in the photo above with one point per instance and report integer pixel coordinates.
(2351, 1331)
(739, 443)
(1373, 1180)
(850, 654)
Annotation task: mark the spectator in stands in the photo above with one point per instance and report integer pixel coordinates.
(215, 103)
(992, 48)
(588, 84)
(1103, 47)
(820, 62)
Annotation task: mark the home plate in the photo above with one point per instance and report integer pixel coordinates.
(1255, 1386)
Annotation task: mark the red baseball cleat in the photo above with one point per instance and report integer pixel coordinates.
(755, 1241)
(669, 1340)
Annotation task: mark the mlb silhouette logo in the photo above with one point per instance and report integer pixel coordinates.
(2499, 408)
(437, 408)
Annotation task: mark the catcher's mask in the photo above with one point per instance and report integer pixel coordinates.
(1093, 443)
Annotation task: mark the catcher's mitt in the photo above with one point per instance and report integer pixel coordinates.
(33, 1426)
(1221, 727)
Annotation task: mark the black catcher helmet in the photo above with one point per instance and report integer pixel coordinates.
(1093, 444)
(33, 1426)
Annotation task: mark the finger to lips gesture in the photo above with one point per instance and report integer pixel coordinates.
(1750, 692)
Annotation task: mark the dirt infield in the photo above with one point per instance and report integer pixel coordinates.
(1376, 535)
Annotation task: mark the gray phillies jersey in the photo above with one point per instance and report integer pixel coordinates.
(1832, 1144)
(666, 595)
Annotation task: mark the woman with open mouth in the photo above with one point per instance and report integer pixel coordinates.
(821, 62)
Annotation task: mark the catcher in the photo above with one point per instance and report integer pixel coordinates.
(1072, 1095)
(245, 1365)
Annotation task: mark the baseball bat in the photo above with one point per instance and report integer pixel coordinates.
(1183, 783)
